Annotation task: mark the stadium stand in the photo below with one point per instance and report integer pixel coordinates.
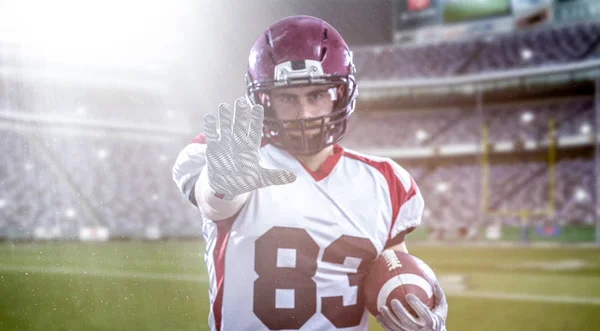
(454, 187)
(412, 129)
(572, 117)
(514, 122)
(121, 183)
(130, 198)
(452, 192)
(32, 194)
(517, 50)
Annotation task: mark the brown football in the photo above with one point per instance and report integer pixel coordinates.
(395, 274)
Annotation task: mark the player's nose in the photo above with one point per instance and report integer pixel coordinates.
(300, 115)
(304, 111)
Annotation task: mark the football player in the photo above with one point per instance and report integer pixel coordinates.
(291, 219)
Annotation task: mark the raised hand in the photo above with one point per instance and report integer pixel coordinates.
(232, 145)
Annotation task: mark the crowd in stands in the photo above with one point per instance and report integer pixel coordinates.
(31, 193)
(454, 194)
(79, 181)
(520, 122)
(517, 50)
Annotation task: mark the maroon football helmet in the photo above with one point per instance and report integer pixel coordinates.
(301, 51)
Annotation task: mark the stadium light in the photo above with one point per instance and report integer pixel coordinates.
(581, 195)
(441, 187)
(102, 153)
(427, 213)
(527, 117)
(585, 128)
(526, 54)
(28, 166)
(2, 203)
(70, 213)
(421, 135)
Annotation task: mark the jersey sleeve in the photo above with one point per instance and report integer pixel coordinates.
(407, 205)
(188, 165)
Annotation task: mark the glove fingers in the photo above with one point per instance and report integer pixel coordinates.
(256, 124)
(390, 319)
(225, 119)
(210, 129)
(441, 305)
(403, 315)
(219, 157)
(276, 177)
(419, 307)
(241, 117)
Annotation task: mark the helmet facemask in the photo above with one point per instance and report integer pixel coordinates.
(306, 136)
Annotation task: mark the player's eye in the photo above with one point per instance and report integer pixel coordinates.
(285, 98)
(318, 95)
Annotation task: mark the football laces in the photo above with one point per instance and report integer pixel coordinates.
(391, 260)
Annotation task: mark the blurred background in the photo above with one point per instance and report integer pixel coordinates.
(492, 105)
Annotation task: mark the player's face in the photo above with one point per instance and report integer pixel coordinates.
(303, 103)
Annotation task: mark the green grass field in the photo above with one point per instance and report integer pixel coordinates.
(162, 286)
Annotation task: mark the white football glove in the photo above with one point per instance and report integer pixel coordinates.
(399, 319)
(232, 156)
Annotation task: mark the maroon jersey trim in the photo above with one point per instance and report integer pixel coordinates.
(398, 195)
(200, 139)
(327, 166)
(223, 228)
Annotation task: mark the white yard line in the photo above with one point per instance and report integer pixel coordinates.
(100, 273)
(203, 279)
(523, 297)
(504, 244)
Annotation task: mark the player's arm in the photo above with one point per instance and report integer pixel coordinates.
(188, 165)
(401, 247)
(220, 175)
(407, 219)
(190, 175)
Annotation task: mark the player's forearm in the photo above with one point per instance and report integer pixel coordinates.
(187, 167)
(211, 206)
(400, 247)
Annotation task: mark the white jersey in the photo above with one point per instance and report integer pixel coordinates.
(295, 255)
